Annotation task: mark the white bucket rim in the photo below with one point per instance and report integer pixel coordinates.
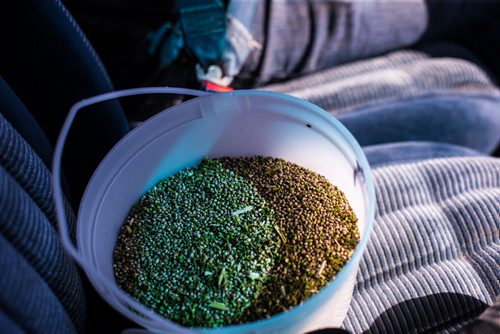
(297, 311)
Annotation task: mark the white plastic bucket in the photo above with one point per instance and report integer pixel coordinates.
(240, 123)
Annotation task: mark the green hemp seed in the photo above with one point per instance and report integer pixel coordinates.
(197, 247)
(234, 240)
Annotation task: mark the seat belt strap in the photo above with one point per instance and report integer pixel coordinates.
(204, 25)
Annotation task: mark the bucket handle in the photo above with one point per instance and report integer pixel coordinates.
(59, 197)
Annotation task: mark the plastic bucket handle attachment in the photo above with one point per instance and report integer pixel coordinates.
(59, 197)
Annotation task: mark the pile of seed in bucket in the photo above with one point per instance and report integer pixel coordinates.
(234, 240)
(317, 227)
(196, 247)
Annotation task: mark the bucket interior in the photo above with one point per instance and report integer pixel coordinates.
(243, 123)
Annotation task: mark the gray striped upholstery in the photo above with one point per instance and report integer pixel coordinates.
(26, 168)
(23, 224)
(8, 326)
(396, 76)
(27, 222)
(26, 297)
(341, 72)
(432, 263)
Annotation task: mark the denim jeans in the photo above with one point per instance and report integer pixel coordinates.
(440, 92)
(470, 121)
(299, 37)
(294, 38)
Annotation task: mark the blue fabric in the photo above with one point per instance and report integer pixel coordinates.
(7, 325)
(16, 113)
(471, 121)
(47, 65)
(393, 153)
(27, 220)
(204, 25)
(300, 37)
(200, 29)
(25, 226)
(169, 47)
(50, 65)
(19, 160)
(431, 264)
(25, 297)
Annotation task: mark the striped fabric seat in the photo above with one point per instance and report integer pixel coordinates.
(28, 231)
(397, 76)
(27, 302)
(408, 95)
(432, 264)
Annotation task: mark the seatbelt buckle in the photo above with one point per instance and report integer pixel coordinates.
(213, 78)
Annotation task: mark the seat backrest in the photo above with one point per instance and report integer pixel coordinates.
(46, 65)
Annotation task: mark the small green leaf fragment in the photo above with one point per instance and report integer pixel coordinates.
(280, 234)
(218, 306)
(254, 276)
(321, 268)
(222, 277)
(243, 210)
